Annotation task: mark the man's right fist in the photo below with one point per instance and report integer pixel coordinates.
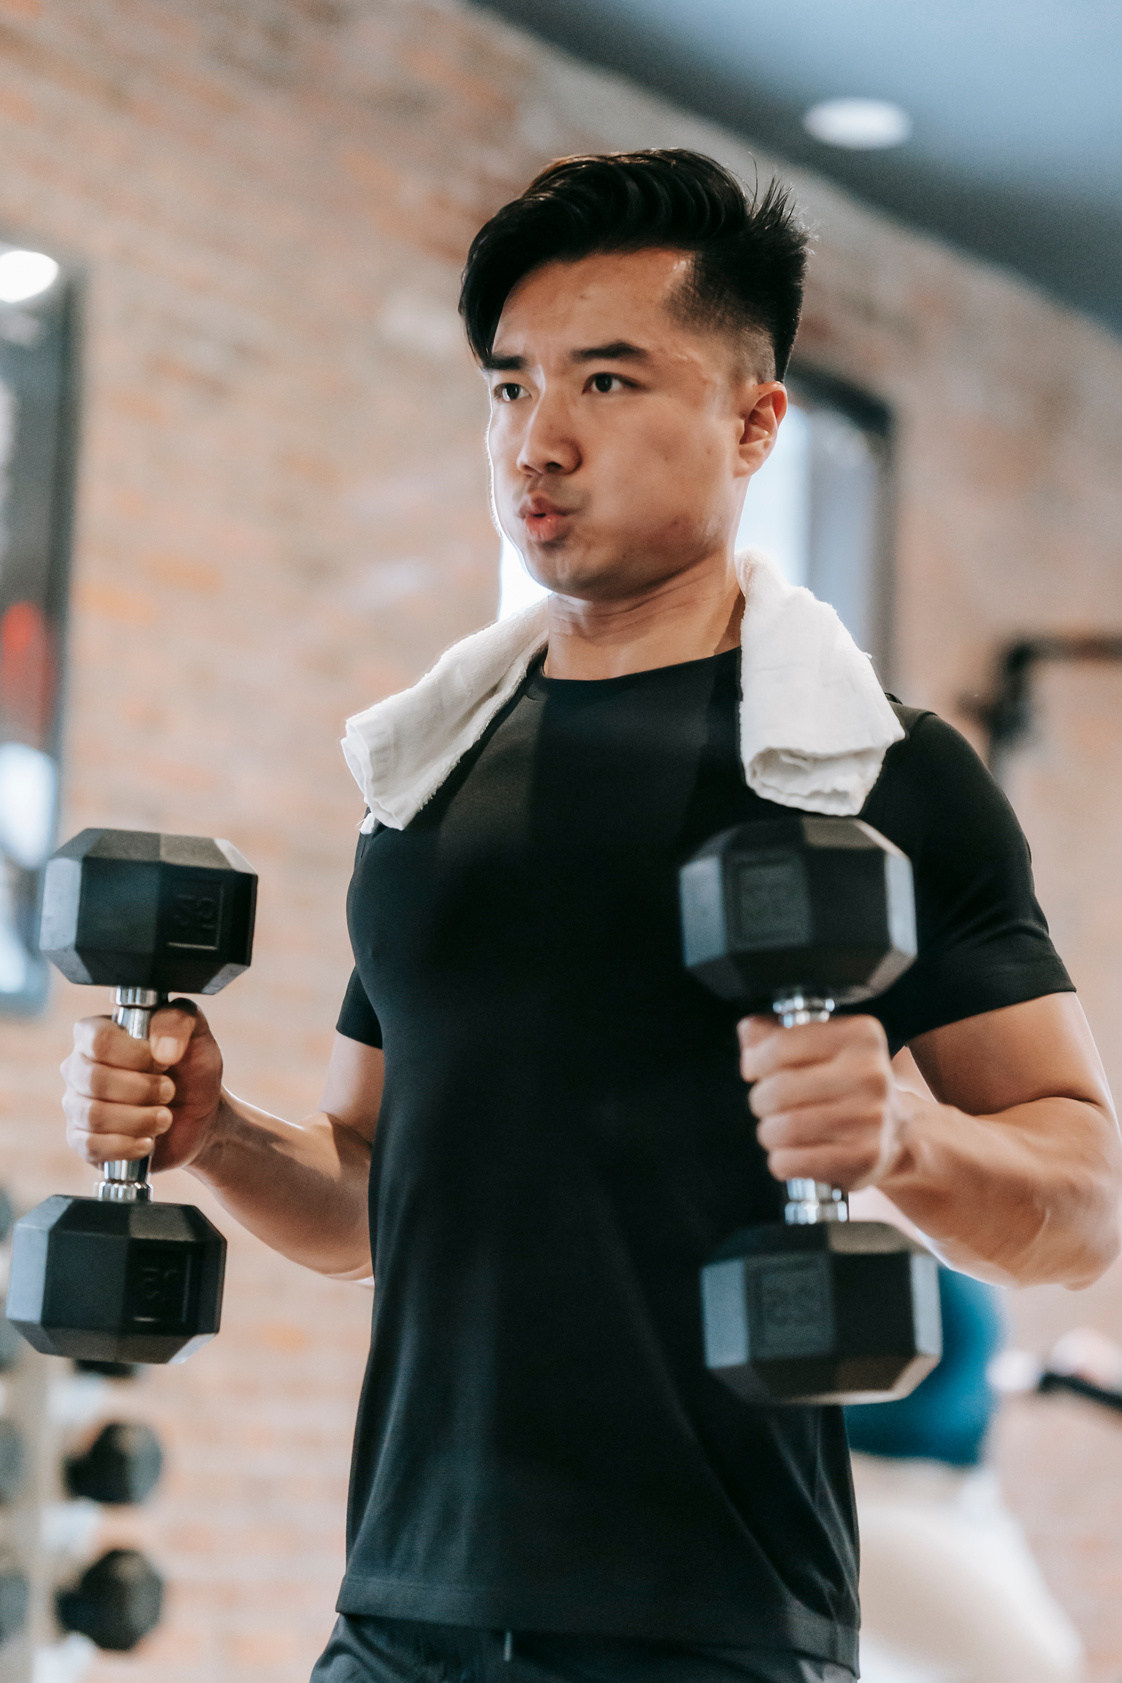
(155, 1098)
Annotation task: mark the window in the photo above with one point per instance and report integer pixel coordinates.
(37, 402)
(818, 508)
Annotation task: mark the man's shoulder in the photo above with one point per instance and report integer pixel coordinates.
(934, 781)
(908, 717)
(929, 741)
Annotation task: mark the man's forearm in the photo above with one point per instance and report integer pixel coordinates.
(300, 1187)
(1025, 1197)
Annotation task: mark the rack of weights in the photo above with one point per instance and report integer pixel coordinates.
(64, 1459)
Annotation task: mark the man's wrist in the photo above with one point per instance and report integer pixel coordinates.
(205, 1163)
(905, 1147)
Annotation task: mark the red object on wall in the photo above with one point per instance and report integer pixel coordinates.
(26, 674)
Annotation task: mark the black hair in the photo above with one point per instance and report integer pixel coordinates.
(750, 253)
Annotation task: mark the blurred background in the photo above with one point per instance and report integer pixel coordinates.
(243, 494)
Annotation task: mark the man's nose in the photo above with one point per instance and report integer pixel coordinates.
(549, 444)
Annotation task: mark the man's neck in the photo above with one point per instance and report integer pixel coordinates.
(688, 617)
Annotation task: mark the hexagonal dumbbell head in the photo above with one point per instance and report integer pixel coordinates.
(837, 1312)
(113, 1282)
(116, 1601)
(132, 908)
(122, 1465)
(798, 903)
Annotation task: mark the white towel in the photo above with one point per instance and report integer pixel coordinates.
(814, 721)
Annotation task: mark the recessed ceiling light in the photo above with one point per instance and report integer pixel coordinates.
(860, 124)
(24, 275)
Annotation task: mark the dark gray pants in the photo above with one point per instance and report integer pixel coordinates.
(376, 1650)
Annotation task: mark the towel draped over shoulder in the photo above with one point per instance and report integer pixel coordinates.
(814, 722)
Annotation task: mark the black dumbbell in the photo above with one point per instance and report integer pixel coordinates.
(797, 916)
(117, 1278)
(116, 1601)
(122, 1465)
(108, 1370)
(15, 1594)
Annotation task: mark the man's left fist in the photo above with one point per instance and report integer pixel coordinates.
(828, 1106)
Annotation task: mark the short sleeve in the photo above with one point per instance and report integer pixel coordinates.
(983, 939)
(357, 1019)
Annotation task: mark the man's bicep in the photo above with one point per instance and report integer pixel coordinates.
(352, 1090)
(1040, 1048)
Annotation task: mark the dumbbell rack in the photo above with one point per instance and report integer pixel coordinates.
(42, 1532)
(46, 1535)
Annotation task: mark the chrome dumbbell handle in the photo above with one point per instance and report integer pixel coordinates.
(126, 1181)
(809, 1201)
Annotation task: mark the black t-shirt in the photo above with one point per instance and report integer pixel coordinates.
(563, 1143)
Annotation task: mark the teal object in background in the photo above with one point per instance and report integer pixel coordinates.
(947, 1417)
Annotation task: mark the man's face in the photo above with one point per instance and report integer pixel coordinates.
(621, 440)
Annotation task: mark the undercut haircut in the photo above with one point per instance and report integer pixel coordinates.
(750, 253)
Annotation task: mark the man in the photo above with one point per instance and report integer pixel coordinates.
(547, 1484)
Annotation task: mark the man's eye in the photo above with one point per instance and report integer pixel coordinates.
(508, 392)
(604, 382)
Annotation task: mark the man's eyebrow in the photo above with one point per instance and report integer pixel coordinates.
(620, 350)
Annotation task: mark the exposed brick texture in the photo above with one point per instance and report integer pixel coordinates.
(283, 515)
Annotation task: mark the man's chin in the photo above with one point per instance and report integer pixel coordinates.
(582, 587)
(560, 567)
(568, 565)
(591, 584)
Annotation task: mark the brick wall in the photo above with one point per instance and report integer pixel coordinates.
(283, 515)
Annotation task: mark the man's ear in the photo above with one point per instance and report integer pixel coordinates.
(762, 409)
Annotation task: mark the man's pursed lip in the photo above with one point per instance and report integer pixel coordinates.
(545, 523)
